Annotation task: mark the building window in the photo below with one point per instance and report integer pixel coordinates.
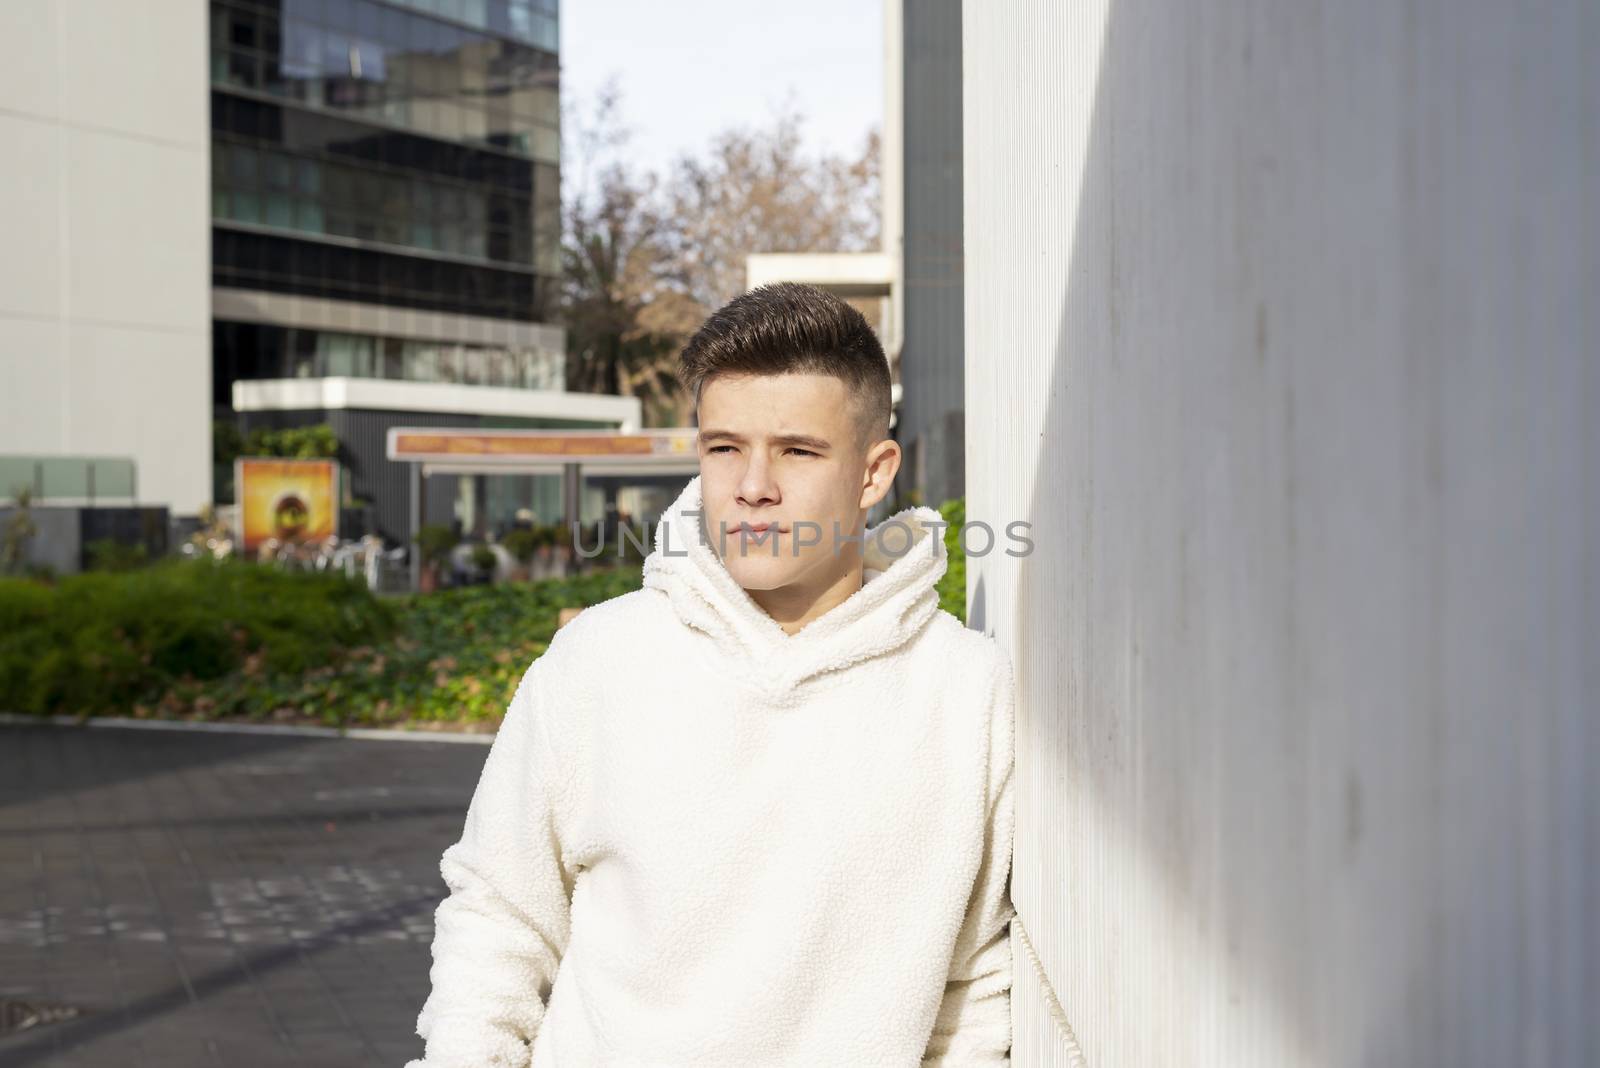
(408, 67)
(249, 351)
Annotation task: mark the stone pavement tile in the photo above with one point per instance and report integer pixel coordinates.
(254, 1052)
(396, 1054)
(222, 900)
(179, 1039)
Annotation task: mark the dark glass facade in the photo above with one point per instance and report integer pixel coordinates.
(280, 264)
(262, 181)
(249, 351)
(396, 153)
(405, 167)
(266, 237)
(396, 64)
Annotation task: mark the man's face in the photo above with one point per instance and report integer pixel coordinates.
(780, 449)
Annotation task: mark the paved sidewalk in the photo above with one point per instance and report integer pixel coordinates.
(223, 900)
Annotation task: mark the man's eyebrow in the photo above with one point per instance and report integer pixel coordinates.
(803, 440)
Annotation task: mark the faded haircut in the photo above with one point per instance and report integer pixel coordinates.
(794, 328)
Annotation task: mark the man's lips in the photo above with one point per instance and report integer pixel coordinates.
(761, 528)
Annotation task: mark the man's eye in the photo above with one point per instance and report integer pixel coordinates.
(792, 448)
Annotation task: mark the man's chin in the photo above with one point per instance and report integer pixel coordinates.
(759, 570)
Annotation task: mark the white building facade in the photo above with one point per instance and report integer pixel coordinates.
(105, 316)
(1281, 330)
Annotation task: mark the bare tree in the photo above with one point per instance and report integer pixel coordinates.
(644, 262)
(756, 191)
(622, 323)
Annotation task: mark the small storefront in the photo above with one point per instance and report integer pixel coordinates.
(553, 475)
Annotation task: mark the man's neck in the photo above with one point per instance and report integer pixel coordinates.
(795, 606)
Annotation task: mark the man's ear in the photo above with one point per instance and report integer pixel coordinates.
(883, 462)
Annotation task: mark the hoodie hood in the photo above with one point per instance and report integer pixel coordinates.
(897, 597)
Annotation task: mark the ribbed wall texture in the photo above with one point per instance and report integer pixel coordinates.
(1281, 329)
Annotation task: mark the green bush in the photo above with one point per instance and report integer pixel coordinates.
(457, 658)
(296, 442)
(522, 543)
(434, 542)
(953, 585)
(103, 642)
(108, 554)
(463, 650)
(224, 639)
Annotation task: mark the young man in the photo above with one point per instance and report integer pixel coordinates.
(758, 812)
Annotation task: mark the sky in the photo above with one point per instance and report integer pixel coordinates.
(688, 69)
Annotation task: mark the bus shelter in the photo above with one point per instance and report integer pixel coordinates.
(571, 454)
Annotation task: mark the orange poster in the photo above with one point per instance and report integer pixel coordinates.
(291, 500)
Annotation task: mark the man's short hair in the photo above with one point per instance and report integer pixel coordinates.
(793, 328)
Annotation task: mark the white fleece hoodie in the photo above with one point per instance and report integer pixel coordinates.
(698, 840)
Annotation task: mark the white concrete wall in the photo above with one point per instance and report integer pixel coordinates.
(1282, 331)
(105, 265)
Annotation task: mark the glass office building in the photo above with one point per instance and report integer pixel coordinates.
(404, 154)
(385, 201)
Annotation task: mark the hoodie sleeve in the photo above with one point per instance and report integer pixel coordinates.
(500, 934)
(973, 1026)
